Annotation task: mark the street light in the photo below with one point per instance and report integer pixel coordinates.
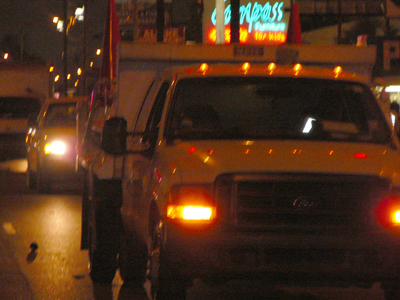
(80, 13)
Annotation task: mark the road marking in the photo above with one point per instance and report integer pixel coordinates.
(9, 228)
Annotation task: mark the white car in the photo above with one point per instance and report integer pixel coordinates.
(51, 144)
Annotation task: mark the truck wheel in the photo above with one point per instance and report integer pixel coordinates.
(43, 181)
(132, 259)
(104, 230)
(85, 211)
(165, 285)
(392, 289)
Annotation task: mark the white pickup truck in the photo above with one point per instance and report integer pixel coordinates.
(244, 170)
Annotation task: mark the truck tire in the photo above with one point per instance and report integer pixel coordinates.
(132, 259)
(392, 289)
(104, 230)
(165, 284)
(85, 211)
(43, 181)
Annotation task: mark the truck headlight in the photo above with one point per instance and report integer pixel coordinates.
(55, 147)
(191, 203)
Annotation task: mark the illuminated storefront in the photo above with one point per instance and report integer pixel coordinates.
(261, 22)
(388, 65)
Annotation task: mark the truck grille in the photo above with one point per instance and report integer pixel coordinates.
(301, 201)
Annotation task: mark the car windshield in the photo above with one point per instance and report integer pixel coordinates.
(276, 108)
(18, 107)
(60, 115)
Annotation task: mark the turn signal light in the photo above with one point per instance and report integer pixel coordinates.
(388, 212)
(190, 212)
(396, 217)
(191, 203)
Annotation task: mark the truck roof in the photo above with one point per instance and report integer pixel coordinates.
(360, 60)
(271, 70)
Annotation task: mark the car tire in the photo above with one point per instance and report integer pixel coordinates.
(132, 259)
(392, 289)
(165, 284)
(104, 230)
(31, 179)
(85, 211)
(43, 182)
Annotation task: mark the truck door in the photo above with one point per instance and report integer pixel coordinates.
(137, 174)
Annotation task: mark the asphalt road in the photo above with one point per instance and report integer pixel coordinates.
(58, 269)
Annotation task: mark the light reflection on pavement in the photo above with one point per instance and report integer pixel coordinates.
(17, 165)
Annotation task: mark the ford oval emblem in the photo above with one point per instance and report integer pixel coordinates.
(304, 202)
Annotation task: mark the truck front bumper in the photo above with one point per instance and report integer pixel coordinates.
(343, 258)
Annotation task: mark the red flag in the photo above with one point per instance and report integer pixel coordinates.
(110, 43)
(294, 30)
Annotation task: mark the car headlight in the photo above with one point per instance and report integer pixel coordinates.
(55, 147)
(192, 204)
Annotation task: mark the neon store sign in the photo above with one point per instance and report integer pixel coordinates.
(259, 23)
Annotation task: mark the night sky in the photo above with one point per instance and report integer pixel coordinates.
(33, 19)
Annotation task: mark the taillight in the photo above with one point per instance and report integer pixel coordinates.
(388, 212)
(192, 204)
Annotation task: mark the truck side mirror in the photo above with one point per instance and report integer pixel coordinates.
(113, 137)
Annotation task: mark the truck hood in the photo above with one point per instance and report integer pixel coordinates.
(66, 134)
(60, 131)
(202, 161)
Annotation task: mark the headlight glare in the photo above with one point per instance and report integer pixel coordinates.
(55, 147)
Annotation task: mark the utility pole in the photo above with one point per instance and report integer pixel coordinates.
(160, 20)
(65, 54)
(84, 46)
(235, 26)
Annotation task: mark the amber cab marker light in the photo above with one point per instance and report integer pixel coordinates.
(297, 68)
(271, 67)
(203, 69)
(245, 67)
(338, 71)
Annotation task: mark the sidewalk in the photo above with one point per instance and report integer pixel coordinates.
(13, 284)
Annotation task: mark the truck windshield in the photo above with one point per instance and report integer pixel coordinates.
(276, 108)
(18, 107)
(60, 115)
